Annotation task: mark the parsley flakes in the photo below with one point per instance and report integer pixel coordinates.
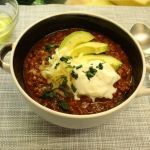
(91, 72)
(64, 81)
(74, 75)
(65, 58)
(78, 67)
(100, 66)
(48, 47)
(57, 65)
(48, 94)
(63, 105)
(73, 88)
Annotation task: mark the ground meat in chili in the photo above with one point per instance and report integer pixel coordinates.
(35, 84)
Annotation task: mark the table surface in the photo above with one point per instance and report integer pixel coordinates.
(22, 129)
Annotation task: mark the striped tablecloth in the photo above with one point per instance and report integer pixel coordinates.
(21, 129)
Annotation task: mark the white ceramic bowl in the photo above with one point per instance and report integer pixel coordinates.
(84, 20)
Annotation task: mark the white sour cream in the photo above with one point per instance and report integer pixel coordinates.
(100, 85)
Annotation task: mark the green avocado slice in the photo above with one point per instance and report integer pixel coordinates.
(114, 62)
(89, 48)
(74, 39)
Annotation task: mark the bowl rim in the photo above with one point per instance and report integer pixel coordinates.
(73, 116)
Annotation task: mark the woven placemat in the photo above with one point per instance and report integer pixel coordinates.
(21, 129)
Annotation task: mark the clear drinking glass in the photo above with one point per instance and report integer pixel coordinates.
(8, 18)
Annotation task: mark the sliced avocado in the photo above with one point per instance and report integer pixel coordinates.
(89, 48)
(115, 63)
(74, 39)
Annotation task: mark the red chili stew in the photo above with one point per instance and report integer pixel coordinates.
(36, 85)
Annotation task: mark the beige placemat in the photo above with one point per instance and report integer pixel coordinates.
(21, 129)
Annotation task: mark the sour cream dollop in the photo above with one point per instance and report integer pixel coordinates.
(100, 85)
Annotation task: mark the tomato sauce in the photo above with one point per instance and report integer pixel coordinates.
(36, 85)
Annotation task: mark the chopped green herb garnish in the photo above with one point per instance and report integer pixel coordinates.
(66, 58)
(63, 105)
(57, 65)
(91, 72)
(48, 47)
(78, 67)
(74, 75)
(100, 66)
(89, 75)
(51, 85)
(69, 66)
(64, 81)
(67, 93)
(48, 57)
(48, 94)
(73, 88)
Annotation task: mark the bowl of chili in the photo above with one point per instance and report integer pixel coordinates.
(57, 103)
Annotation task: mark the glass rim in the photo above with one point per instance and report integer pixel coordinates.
(16, 12)
(15, 16)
